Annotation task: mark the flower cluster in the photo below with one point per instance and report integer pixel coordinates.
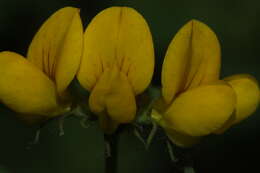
(114, 60)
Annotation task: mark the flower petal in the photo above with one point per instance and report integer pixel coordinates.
(192, 58)
(25, 89)
(57, 47)
(179, 139)
(201, 110)
(113, 95)
(248, 95)
(182, 140)
(227, 124)
(121, 36)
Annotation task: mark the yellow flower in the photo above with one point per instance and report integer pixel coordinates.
(117, 64)
(194, 101)
(36, 87)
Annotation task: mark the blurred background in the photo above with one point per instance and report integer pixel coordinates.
(237, 26)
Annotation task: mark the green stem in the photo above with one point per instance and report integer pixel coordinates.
(151, 135)
(111, 152)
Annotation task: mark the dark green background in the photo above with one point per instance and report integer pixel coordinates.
(81, 150)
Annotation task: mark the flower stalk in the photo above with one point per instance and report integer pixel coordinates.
(111, 152)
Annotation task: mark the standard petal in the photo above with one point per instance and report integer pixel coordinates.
(25, 89)
(57, 47)
(201, 110)
(121, 36)
(192, 58)
(248, 95)
(113, 95)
